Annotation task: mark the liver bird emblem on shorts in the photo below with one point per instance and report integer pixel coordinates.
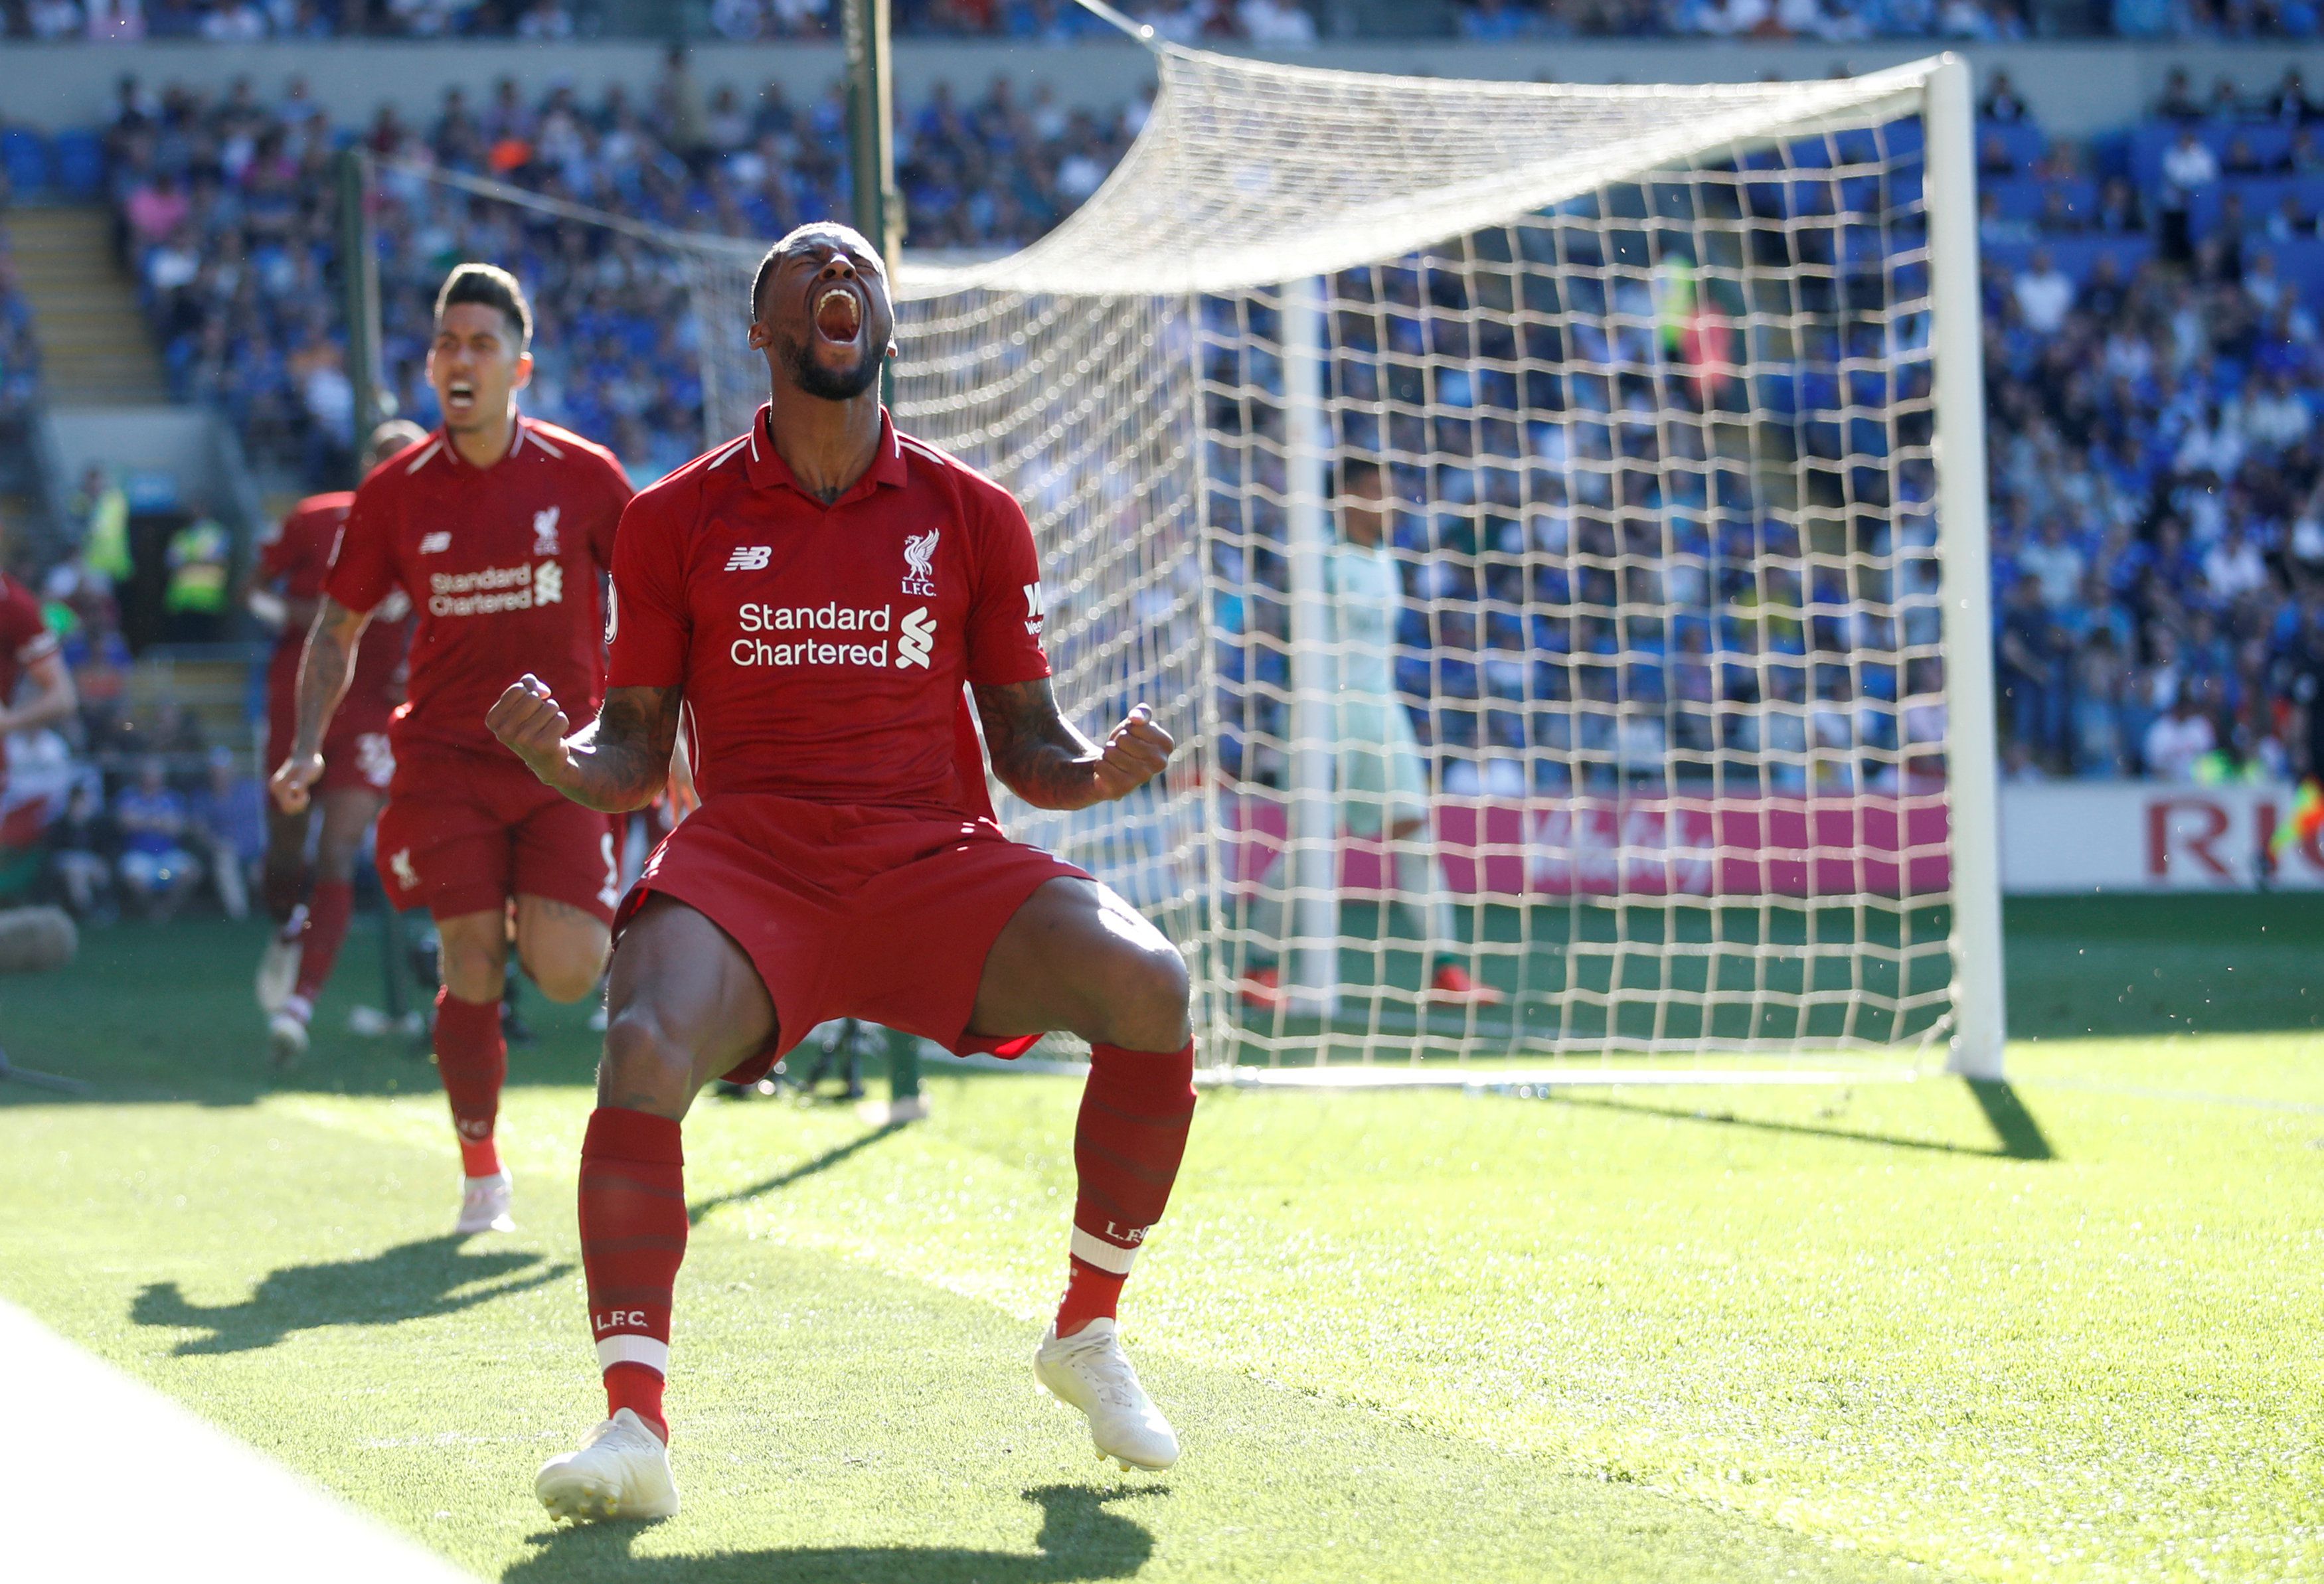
(919, 564)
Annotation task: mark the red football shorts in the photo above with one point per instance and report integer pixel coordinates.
(885, 915)
(464, 832)
(355, 752)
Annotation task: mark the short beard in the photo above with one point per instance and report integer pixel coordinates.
(817, 380)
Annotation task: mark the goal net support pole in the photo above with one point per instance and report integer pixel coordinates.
(1965, 556)
(1311, 861)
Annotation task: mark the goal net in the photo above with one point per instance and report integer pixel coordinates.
(1549, 517)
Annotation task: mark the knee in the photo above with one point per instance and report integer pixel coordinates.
(565, 973)
(473, 971)
(1147, 1003)
(564, 982)
(643, 1062)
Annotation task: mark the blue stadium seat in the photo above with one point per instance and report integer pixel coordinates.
(2150, 143)
(2077, 255)
(2301, 263)
(79, 164)
(2261, 195)
(26, 157)
(2021, 197)
(2026, 143)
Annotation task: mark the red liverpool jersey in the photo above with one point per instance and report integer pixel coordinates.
(300, 556)
(502, 566)
(823, 648)
(24, 642)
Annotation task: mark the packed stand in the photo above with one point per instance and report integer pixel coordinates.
(1270, 23)
(2150, 302)
(115, 800)
(227, 212)
(20, 351)
(2153, 379)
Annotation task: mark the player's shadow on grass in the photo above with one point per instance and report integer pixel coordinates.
(411, 1280)
(829, 1159)
(1079, 1539)
(2018, 1134)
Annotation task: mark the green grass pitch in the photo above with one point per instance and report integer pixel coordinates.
(2065, 1331)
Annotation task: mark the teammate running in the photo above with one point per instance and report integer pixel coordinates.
(1383, 783)
(497, 528)
(807, 600)
(311, 904)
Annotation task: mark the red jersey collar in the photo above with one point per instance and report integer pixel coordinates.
(443, 438)
(767, 470)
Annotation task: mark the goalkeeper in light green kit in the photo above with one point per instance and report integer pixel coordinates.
(1383, 784)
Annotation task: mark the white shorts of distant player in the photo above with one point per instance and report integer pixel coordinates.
(1383, 796)
(1383, 783)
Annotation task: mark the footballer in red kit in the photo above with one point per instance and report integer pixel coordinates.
(32, 660)
(498, 528)
(811, 606)
(312, 900)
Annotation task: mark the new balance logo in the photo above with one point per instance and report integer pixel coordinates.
(547, 584)
(544, 531)
(405, 875)
(434, 544)
(1036, 608)
(749, 557)
(915, 640)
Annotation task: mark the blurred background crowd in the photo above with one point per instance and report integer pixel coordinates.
(2151, 296)
(1274, 24)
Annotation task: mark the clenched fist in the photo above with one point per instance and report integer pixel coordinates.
(1135, 752)
(526, 719)
(292, 783)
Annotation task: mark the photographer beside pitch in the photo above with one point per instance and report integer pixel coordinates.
(805, 603)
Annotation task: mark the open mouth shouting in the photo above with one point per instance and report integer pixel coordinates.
(459, 400)
(839, 313)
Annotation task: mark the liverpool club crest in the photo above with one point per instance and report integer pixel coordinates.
(919, 565)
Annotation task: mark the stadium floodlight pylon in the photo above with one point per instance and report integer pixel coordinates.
(1678, 390)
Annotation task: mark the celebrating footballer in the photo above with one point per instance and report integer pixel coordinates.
(805, 603)
(496, 528)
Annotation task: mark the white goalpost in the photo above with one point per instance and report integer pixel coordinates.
(1676, 392)
(1662, 714)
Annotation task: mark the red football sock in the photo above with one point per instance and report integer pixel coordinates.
(632, 1241)
(1127, 1143)
(473, 1058)
(327, 910)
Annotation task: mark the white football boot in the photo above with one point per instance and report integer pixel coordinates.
(484, 1203)
(1089, 1371)
(277, 966)
(286, 1032)
(621, 1471)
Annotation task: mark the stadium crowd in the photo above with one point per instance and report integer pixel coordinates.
(2154, 378)
(1281, 24)
(20, 352)
(227, 211)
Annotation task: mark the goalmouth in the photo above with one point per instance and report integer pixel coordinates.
(1664, 715)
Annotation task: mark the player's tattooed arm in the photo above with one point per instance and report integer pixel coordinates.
(617, 762)
(323, 672)
(1041, 756)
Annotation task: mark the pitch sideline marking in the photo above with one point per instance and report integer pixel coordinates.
(198, 1503)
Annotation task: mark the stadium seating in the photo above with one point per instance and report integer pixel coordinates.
(1279, 23)
(2156, 416)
